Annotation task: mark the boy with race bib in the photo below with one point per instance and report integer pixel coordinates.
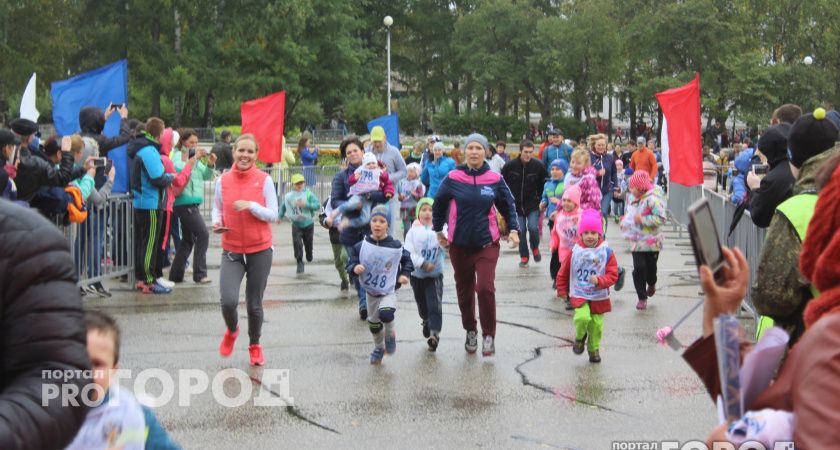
(427, 278)
(380, 262)
(585, 277)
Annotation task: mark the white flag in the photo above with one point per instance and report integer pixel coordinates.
(27, 102)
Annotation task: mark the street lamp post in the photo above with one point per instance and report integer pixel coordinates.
(388, 21)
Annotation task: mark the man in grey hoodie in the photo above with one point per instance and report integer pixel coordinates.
(394, 164)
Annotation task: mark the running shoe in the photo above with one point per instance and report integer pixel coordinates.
(391, 343)
(537, 255)
(523, 261)
(256, 354)
(101, 290)
(345, 286)
(471, 345)
(377, 355)
(594, 357)
(642, 305)
(165, 283)
(651, 289)
(577, 348)
(159, 289)
(426, 332)
(226, 347)
(433, 342)
(620, 283)
(488, 347)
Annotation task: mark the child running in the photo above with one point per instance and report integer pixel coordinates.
(564, 233)
(582, 173)
(644, 215)
(380, 262)
(339, 253)
(299, 206)
(370, 177)
(620, 190)
(586, 276)
(409, 191)
(553, 191)
(427, 278)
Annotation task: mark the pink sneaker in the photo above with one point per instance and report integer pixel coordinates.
(642, 305)
(226, 348)
(257, 358)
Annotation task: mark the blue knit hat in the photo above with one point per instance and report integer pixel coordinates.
(561, 164)
(381, 210)
(475, 137)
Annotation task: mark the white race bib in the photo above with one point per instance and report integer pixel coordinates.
(427, 245)
(585, 263)
(367, 180)
(381, 264)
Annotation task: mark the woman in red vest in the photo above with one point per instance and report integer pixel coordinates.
(244, 207)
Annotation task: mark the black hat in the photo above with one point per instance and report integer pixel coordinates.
(773, 142)
(24, 127)
(8, 138)
(811, 135)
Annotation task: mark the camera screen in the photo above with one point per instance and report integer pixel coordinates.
(707, 236)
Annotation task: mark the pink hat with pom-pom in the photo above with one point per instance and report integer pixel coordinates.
(641, 180)
(590, 221)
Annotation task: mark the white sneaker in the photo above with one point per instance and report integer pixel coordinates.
(165, 283)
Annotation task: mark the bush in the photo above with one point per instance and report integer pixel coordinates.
(572, 128)
(359, 110)
(493, 126)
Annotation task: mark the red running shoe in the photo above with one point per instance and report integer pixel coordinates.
(537, 255)
(257, 358)
(226, 347)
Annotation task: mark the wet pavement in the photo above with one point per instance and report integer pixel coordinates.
(534, 393)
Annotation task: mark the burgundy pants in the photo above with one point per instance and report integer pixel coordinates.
(475, 273)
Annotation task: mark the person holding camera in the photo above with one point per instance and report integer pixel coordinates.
(775, 185)
(194, 236)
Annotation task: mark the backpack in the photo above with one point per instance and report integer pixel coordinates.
(61, 204)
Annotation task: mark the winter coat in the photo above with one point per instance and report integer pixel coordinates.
(434, 172)
(564, 233)
(43, 331)
(308, 156)
(590, 192)
(421, 243)
(645, 236)
(775, 188)
(467, 201)
(35, 172)
(525, 181)
(91, 123)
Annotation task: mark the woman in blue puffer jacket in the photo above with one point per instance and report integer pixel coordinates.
(743, 162)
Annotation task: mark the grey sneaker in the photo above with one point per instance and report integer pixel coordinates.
(620, 283)
(300, 267)
(471, 345)
(488, 348)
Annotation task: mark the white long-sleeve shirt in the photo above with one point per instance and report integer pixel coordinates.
(267, 213)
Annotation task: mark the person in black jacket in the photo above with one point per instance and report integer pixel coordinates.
(223, 152)
(604, 165)
(36, 170)
(525, 177)
(42, 331)
(777, 186)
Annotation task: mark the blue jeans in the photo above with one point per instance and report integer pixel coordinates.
(530, 224)
(359, 290)
(606, 201)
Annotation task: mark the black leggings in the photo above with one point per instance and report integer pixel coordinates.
(644, 272)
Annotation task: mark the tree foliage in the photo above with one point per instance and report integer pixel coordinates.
(194, 61)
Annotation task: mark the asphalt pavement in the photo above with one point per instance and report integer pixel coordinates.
(534, 393)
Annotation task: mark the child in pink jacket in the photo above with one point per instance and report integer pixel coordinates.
(564, 232)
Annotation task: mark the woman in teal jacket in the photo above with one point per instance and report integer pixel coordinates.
(193, 229)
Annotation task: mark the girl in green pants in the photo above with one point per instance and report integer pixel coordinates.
(585, 277)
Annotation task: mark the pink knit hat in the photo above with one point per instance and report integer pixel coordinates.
(641, 180)
(590, 221)
(572, 193)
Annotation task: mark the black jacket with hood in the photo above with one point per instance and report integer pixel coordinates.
(92, 122)
(777, 185)
(36, 171)
(42, 331)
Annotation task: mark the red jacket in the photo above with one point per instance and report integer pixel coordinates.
(605, 280)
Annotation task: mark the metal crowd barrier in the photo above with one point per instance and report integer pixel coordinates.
(328, 135)
(746, 235)
(206, 134)
(102, 246)
(319, 181)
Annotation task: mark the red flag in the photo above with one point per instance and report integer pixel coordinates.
(681, 108)
(263, 118)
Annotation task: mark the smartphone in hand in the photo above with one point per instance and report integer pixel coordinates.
(705, 239)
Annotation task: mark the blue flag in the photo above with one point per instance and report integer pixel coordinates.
(107, 84)
(99, 87)
(391, 124)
